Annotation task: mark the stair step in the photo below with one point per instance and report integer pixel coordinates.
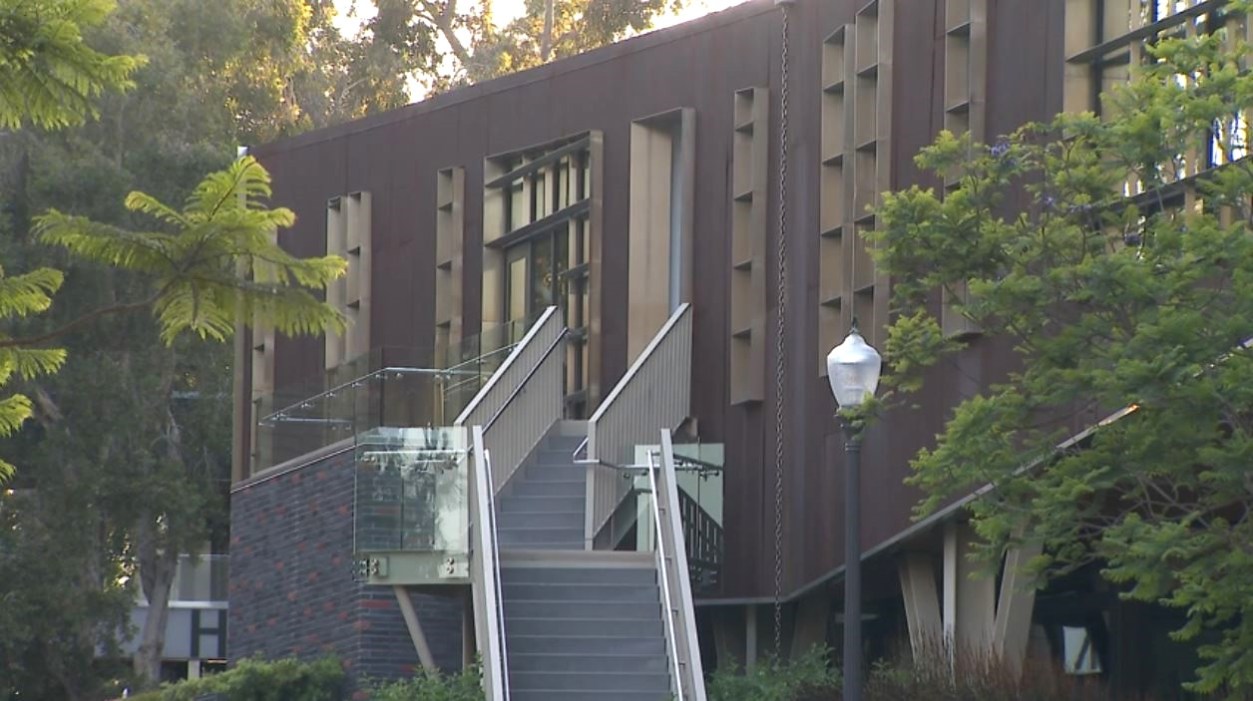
(527, 536)
(582, 609)
(623, 664)
(540, 504)
(557, 455)
(579, 575)
(584, 627)
(569, 428)
(579, 695)
(589, 681)
(549, 472)
(625, 593)
(523, 644)
(547, 519)
(569, 545)
(553, 488)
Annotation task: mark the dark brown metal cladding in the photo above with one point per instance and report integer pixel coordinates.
(395, 156)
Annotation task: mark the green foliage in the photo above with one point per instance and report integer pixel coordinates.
(217, 263)
(466, 685)
(49, 76)
(257, 680)
(804, 677)
(1133, 306)
(405, 41)
(21, 296)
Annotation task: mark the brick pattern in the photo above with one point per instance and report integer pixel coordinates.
(293, 591)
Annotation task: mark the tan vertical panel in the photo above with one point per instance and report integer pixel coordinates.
(337, 290)
(360, 235)
(449, 254)
(883, 155)
(649, 236)
(494, 226)
(595, 264)
(750, 160)
(1080, 28)
(965, 111)
(651, 212)
(835, 191)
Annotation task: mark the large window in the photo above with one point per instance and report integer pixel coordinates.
(540, 243)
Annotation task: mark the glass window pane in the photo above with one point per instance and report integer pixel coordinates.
(542, 273)
(516, 284)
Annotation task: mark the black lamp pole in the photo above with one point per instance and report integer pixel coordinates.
(852, 561)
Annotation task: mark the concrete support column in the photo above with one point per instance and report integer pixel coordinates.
(969, 616)
(922, 602)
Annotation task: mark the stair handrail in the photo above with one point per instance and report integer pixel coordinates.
(663, 575)
(489, 621)
(672, 569)
(655, 393)
(534, 371)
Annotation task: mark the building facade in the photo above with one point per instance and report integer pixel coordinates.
(617, 186)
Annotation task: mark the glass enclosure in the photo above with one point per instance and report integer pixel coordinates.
(411, 499)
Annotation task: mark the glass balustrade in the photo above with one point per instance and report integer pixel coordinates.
(411, 504)
(388, 387)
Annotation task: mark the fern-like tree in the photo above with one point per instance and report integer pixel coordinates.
(49, 78)
(1123, 279)
(209, 265)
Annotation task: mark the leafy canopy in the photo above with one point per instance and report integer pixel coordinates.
(48, 76)
(213, 263)
(1123, 280)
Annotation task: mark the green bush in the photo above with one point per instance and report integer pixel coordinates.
(809, 676)
(257, 680)
(464, 686)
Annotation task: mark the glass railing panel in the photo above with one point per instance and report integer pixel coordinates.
(411, 493)
(390, 386)
(699, 474)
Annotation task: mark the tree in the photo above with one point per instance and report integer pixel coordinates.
(411, 39)
(215, 263)
(49, 78)
(1130, 315)
(124, 467)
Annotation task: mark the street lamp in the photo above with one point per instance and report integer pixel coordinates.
(853, 370)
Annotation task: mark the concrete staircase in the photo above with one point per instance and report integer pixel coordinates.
(544, 503)
(584, 625)
(579, 624)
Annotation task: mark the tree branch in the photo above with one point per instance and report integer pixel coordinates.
(443, 22)
(87, 318)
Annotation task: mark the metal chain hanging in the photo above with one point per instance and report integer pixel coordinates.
(780, 316)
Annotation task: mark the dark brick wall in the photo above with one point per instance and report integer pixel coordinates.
(293, 591)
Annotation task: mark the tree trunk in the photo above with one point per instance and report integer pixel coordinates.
(546, 39)
(156, 575)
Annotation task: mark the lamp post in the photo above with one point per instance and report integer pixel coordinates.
(853, 370)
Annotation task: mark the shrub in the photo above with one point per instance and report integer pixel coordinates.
(809, 676)
(258, 680)
(463, 686)
(976, 677)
